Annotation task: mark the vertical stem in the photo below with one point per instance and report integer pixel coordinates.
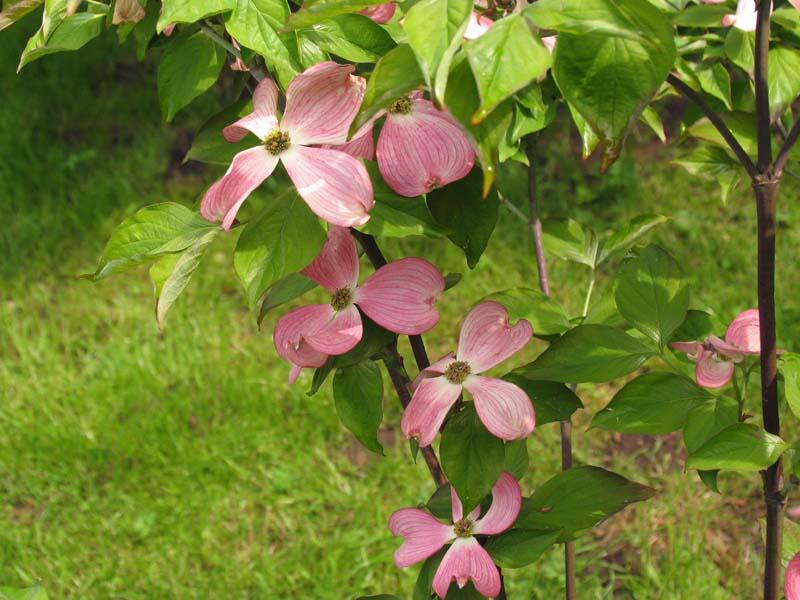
(535, 225)
(766, 196)
(765, 185)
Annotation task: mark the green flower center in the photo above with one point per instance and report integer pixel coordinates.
(401, 106)
(456, 372)
(341, 299)
(276, 142)
(463, 527)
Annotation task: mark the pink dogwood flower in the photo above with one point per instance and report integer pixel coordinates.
(399, 296)
(420, 147)
(465, 559)
(716, 358)
(746, 15)
(321, 103)
(380, 13)
(486, 340)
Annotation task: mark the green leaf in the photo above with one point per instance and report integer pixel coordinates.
(545, 314)
(254, 24)
(789, 367)
(14, 12)
(520, 547)
(398, 216)
(422, 588)
(440, 503)
(588, 353)
(716, 81)
(569, 240)
(576, 500)
(34, 593)
(784, 79)
(152, 232)
(188, 67)
(463, 99)
(284, 290)
(394, 75)
(652, 294)
(356, 38)
(703, 15)
(739, 447)
(552, 401)
(435, 29)
(468, 217)
(611, 58)
(696, 326)
(504, 60)
(472, 458)
(190, 11)
(627, 235)
(63, 35)
(707, 419)
(316, 11)
(210, 146)
(172, 273)
(653, 403)
(740, 48)
(516, 459)
(358, 395)
(282, 239)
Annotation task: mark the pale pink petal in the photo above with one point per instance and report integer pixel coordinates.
(464, 560)
(429, 405)
(723, 348)
(333, 332)
(381, 13)
(744, 332)
(362, 145)
(458, 508)
(336, 265)
(264, 118)
(290, 344)
(690, 348)
(169, 29)
(401, 295)
(335, 185)
(791, 585)
(503, 407)
(433, 370)
(321, 103)
(423, 150)
(487, 338)
(247, 171)
(796, 4)
(477, 26)
(746, 16)
(712, 372)
(506, 504)
(549, 41)
(422, 534)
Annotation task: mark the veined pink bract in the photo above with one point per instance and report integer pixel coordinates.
(381, 13)
(321, 103)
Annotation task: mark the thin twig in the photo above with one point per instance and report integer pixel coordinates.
(717, 121)
(783, 155)
(256, 70)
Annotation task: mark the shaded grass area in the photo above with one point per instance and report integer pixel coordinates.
(135, 464)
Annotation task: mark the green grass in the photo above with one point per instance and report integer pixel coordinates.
(140, 465)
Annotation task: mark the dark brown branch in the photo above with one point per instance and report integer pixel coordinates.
(717, 121)
(788, 144)
(764, 131)
(535, 226)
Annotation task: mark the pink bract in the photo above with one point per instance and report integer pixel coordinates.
(716, 358)
(486, 340)
(321, 103)
(791, 584)
(478, 25)
(399, 296)
(381, 13)
(465, 559)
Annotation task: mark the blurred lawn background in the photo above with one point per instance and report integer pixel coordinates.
(135, 464)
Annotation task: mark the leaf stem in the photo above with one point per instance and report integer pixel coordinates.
(589, 292)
